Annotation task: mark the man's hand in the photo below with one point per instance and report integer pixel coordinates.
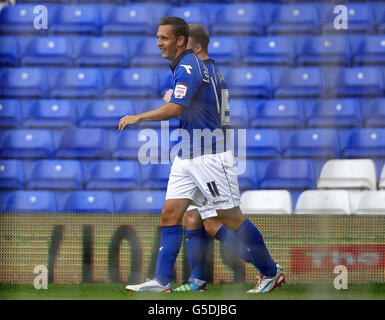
(128, 120)
(167, 95)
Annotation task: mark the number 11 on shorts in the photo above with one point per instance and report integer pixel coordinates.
(213, 189)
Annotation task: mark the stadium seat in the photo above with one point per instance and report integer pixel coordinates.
(356, 82)
(302, 82)
(277, 113)
(104, 51)
(239, 113)
(370, 50)
(248, 179)
(19, 19)
(21, 201)
(272, 50)
(224, 50)
(134, 82)
(148, 54)
(348, 174)
(11, 174)
(312, 143)
(78, 82)
(379, 12)
(89, 201)
(154, 176)
(266, 202)
(371, 203)
(322, 202)
(191, 14)
(364, 143)
(83, 143)
(55, 174)
(51, 50)
(239, 18)
(294, 174)
(261, 143)
(334, 113)
(106, 113)
(150, 201)
(294, 19)
(375, 113)
(247, 82)
(321, 50)
(110, 174)
(9, 51)
(10, 114)
(360, 19)
(49, 114)
(130, 19)
(77, 18)
(23, 82)
(26, 143)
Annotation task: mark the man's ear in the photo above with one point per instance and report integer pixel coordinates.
(181, 40)
(198, 48)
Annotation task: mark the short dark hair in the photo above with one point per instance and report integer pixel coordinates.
(178, 24)
(198, 34)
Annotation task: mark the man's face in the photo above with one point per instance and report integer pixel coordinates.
(167, 42)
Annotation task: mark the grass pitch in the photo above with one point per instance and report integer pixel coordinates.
(234, 291)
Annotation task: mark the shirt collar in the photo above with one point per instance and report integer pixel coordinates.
(209, 60)
(174, 64)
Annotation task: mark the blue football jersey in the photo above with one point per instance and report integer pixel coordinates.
(202, 92)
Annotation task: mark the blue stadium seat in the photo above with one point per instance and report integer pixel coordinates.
(77, 18)
(110, 174)
(312, 143)
(30, 202)
(49, 114)
(364, 143)
(130, 19)
(360, 19)
(134, 82)
(9, 51)
(273, 50)
(294, 19)
(239, 113)
(249, 179)
(293, 174)
(238, 18)
(89, 201)
(321, 50)
(148, 54)
(104, 51)
(19, 19)
(375, 113)
(106, 113)
(150, 201)
(301, 82)
(224, 50)
(83, 143)
(55, 174)
(78, 82)
(334, 113)
(11, 174)
(191, 14)
(261, 143)
(370, 50)
(51, 50)
(379, 12)
(10, 115)
(356, 82)
(249, 82)
(23, 82)
(278, 113)
(155, 176)
(26, 143)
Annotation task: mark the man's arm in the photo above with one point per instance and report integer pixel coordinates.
(166, 112)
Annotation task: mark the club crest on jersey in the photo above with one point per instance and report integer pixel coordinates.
(180, 90)
(187, 67)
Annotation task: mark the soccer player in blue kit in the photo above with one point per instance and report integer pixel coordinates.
(201, 175)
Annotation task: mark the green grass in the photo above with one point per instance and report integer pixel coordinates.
(112, 291)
